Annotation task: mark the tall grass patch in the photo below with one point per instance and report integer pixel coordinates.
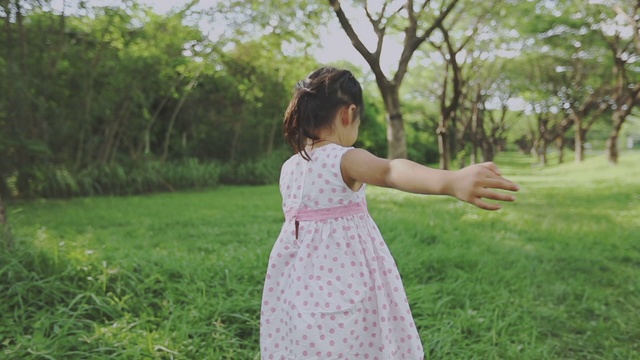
(151, 176)
(141, 177)
(167, 276)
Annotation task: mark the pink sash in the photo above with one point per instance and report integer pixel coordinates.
(325, 213)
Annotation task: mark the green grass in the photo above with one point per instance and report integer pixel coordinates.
(555, 275)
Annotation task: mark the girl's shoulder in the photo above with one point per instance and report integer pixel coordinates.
(324, 154)
(331, 151)
(293, 160)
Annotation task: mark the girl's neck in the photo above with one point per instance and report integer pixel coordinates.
(314, 144)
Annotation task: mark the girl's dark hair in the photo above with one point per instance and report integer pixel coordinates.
(315, 102)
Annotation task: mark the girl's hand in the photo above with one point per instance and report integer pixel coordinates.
(474, 183)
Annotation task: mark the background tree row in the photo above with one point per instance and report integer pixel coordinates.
(108, 90)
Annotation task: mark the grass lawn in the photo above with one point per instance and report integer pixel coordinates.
(555, 275)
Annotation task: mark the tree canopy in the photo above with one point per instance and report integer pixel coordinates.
(121, 84)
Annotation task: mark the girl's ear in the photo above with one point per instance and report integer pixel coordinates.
(344, 116)
(349, 115)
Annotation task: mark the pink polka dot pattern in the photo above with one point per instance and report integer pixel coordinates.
(333, 292)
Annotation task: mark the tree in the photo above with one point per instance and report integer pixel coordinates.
(491, 125)
(95, 89)
(20, 146)
(603, 43)
(597, 50)
(455, 45)
(417, 22)
(584, 116)
(582, 82)
(626, 51)
(449, 98)
(544, 103)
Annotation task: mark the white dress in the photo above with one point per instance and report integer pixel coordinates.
(332, 289)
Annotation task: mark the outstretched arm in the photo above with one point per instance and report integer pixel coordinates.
(472, 184)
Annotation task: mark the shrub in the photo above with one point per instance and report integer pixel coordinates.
(140, 177)
(50, 179)
(191, 174)
(265, 170)
(148, 176)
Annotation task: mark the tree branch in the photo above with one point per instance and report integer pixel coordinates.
(457, 80)
(379, 30)
(438, 22)
(475, 29)
(412, 41)
(371, 58)
(632, 21)
(424, 5)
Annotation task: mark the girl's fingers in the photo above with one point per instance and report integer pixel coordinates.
(491, 166)
(485, 205)
(494, 195)
(501, 183)
(486, 180)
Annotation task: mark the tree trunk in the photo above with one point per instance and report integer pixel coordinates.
(147, 129)
(544, 134)
(88, 92)
(612, 148)
(618, 118)
(176, 111)
(488, 152)
(6, 100)
(396, 139)
(156, 113)
(114, 149)
(477, 127)
(4, 188)
(579, 138)
(112, 132)
(87, 117)
(453, 140)
(443, 144)
(445, 132)
(116, 146)
(612, 141)
(543, 154)
(560, 143)
(474, 153)
(397, 148)
(6, 238)
(625, 97)
(167, 135)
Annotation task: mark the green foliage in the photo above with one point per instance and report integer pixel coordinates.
(421, 146)
(248, 18)
(109, 84)
(106, 85)
(372, 132)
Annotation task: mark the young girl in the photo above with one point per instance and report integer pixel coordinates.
(332, 289)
